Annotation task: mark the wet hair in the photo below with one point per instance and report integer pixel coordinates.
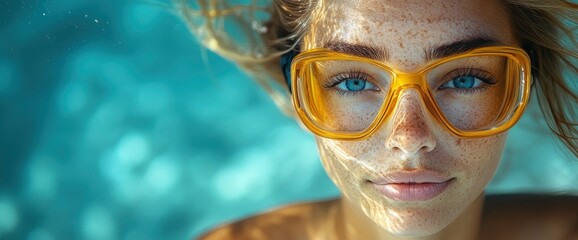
(257, 34)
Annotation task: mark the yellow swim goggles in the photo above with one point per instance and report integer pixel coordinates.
(478, 93)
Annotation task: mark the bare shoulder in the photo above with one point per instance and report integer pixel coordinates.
(530, 216)
(289, 222)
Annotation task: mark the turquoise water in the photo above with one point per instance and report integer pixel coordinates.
(115, 124)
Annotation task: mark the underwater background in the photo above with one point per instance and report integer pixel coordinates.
(116, 124)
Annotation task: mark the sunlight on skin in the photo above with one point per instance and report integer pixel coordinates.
(344, 156)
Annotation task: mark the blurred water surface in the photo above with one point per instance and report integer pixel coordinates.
(115, 124)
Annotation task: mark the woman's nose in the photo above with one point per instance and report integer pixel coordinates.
(410, 132)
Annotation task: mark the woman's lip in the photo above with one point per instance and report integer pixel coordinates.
(412, 192)
(416, 185)
(413, 176)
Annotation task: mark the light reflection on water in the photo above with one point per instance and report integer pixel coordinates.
(112, 128)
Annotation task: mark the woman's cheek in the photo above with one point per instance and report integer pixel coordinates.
(336, 166)
(479, 158)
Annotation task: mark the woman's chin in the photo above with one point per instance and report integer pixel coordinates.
(413, 222)
(414, 229)
(409, 230)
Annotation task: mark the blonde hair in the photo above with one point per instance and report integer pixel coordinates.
(546, 27)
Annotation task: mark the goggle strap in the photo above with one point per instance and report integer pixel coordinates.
(285, 62)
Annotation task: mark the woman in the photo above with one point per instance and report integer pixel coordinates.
(410, 102)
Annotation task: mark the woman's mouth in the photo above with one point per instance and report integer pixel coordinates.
(412, 186)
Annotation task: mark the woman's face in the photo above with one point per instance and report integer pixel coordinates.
(378, 175)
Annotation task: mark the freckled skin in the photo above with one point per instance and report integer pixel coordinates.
(411, 139)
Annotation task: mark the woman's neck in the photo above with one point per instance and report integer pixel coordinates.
(352, 223)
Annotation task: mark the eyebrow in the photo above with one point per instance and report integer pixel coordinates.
(436, 52)
(357, 50)
(458, 47)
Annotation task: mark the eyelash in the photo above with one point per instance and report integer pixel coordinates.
(353, 74)
(332, 81)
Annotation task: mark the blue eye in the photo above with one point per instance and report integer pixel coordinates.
(466, 80)
(354, 82)
(354, 85)
(463, 82)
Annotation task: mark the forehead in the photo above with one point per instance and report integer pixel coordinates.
(408, 26)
